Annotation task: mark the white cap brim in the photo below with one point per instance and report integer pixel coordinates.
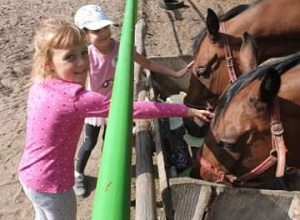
(96, 25)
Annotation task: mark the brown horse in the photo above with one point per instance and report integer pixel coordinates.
(275, 28)
(239, 139)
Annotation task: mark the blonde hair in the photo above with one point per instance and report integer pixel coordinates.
(53, 34)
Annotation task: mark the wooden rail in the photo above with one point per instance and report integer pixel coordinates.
(145, 187)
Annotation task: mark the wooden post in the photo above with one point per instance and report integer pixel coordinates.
(163, 178)
(145, 188)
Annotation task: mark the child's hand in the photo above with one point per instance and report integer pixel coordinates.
(182, 72)
(202, 115)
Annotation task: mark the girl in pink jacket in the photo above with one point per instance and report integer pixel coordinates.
(57, 106)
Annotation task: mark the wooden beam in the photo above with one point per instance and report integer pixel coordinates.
(145, 187)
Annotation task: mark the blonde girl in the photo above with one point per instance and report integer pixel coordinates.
(57, 105)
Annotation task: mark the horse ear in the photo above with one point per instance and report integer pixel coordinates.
(270, 85)
(248, 55)
(212, 24)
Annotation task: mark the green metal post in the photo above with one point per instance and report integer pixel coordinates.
(112, 197)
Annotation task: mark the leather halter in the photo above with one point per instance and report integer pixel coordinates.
(277, 154)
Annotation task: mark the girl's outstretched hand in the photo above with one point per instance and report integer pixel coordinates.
(202, 115)
(182, 72)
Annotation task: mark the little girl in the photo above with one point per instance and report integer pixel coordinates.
(57, 106)
(103, 51)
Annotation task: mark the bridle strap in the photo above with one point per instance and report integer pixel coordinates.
(262, 167)
(228, 54)
(278, 143)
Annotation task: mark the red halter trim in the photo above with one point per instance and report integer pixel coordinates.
(277, 138)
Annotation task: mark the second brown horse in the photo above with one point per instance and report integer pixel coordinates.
(275, 29)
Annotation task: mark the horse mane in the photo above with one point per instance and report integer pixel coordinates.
(227, 16)
(281, 66)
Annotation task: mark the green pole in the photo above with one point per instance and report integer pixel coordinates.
(112, 197)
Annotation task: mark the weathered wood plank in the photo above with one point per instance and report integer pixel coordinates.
(145, 188)
(231, 203)
(203, 202)
(163, 178)
(294, 211)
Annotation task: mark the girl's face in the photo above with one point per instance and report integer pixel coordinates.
(99, 38)
(70, 64)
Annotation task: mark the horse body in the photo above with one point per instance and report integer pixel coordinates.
(275, 28)
(273, 24)
(239, 138)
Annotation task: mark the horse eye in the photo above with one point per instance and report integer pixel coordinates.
(214, 66)
(201, 72)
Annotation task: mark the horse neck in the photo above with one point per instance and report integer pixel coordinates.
(270, 17)
(271, 26)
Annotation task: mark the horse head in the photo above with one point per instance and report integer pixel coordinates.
(210, 70)
(239, 138)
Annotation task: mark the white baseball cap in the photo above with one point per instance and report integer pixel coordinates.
(91, 17)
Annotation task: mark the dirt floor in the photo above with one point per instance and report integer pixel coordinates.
(169, 33)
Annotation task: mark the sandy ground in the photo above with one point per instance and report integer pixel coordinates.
(169, 33)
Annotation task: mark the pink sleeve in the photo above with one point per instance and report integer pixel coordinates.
(92, 104)
(150, 110)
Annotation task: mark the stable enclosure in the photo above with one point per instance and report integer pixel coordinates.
(191, 199)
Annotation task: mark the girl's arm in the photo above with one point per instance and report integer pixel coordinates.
(92, 104)
(149, 110)
(158, 68)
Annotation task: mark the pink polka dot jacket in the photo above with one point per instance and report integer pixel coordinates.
(55, 116)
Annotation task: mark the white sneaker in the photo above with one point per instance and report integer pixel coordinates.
(79, 187)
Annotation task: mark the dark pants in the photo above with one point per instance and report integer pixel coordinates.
(90, 141)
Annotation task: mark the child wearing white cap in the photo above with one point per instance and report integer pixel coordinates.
(103, 53)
